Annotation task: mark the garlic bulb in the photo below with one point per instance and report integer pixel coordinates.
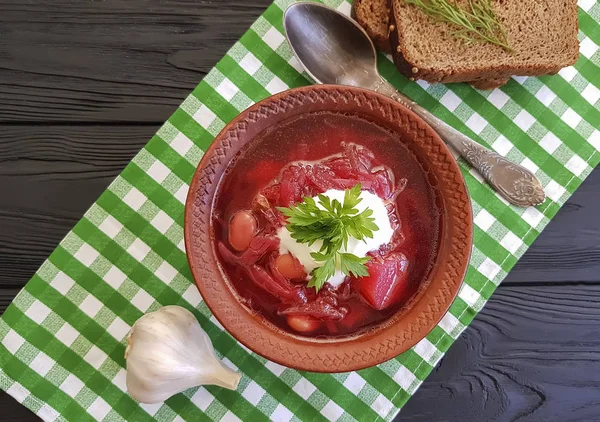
(168, 352)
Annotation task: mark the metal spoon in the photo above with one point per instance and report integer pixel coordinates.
(336, 50)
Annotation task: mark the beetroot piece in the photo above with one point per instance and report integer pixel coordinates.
(386, 283)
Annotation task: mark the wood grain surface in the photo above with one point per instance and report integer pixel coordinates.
(84, 85)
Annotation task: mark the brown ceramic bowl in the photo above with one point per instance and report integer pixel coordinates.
(386, 340)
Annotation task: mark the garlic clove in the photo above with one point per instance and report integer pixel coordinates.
(169, 352)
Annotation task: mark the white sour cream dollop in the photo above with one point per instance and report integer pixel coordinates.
(357, 247)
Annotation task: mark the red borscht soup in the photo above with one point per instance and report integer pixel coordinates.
(319, 153)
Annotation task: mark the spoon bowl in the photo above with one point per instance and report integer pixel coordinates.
(351, 60)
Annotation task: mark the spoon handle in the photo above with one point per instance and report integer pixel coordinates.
(514, 182)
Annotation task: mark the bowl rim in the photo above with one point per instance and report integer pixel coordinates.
(353, 352)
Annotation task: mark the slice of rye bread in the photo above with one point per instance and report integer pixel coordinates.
(373, 16)
(542, 33)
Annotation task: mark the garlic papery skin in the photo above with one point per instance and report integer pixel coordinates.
(168, 352)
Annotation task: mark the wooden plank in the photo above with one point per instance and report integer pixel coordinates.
(111, 61)
(49, 176)
(531, 355)
(568, 250)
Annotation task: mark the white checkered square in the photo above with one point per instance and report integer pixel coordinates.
(17, 391)
(332, 411)
(230, 417)
(554, 191)
(181, 144)
(120, 380)
(72, 385)
(166, 272)
(576, 165)
(99, 409)
(86, 254)
(450, 100)
(293, 61)
(304, 388)
(250, 63)
(42, 364)
(502, 145)
(118, 329)
(227, 89)
(568, 73)
(550, 142)
(151, 409)
(276, 85)
(253, 393)
(273, 38)
(354, 383)
(591, 94)
(281, 414)
(111, 227)
(484, 220)
(138, 249)
(91, 306)
(529, 165)
(571, 118)
(524, 120)
(95, 357)
(587, 47)
(202, 399)
(382, 406)
(469, 295)
(142, 300)
(489, 269)
(47, 413)
(192, 295)
(114, 277)
(449, 323)
(595, 139)
(158, 171)
(511, 242)
(345, 8)
(498, 98)
(404, 378)
(426, 350)
(545, 95)
(67, 334)
(586, 4)
(275, 368)
(62, 283)
(135, 199)
(38, 312)
(181, 193)
(532, 216)
(476, 123)
(162, 222)
(204, 116)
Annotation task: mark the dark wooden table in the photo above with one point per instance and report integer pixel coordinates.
(85, 84)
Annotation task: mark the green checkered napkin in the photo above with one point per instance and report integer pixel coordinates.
(62, 339)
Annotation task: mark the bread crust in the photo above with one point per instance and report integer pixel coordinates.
(360, 13)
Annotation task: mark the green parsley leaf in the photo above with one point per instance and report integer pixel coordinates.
(333, 223)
